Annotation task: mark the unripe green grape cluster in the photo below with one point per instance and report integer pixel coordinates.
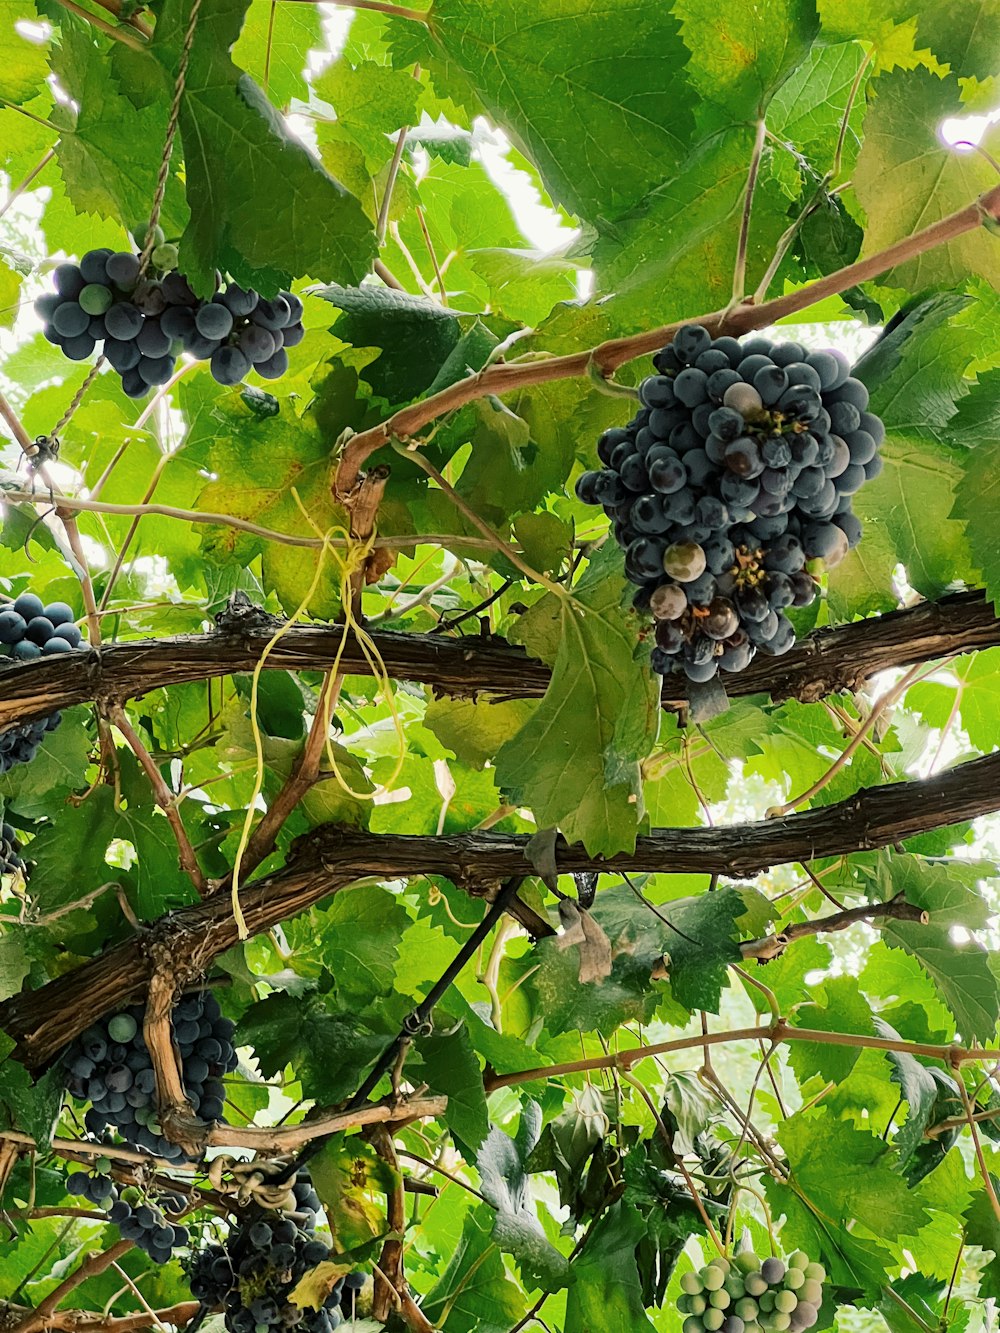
(747, 1294)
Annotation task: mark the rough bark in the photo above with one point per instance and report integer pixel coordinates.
(330, 858)
(825, 662)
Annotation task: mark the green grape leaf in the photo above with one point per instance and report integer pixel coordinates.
(966, 36)
(23, 65)
(501, 1163)
(682, 237)
(741, 54)
(415, 335)
(976, 493)
(617, 120)
(105, 171)
(960, 971)
(845, 1009)
(911, 515)
(235, 149)
(474, 1291)
(273, 47)
(576, 760)
(449, 1066)
(329, 1051)
(906, 179)
(607, 1293)
(827, 1210)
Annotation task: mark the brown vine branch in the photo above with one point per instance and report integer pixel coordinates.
(122, 35)
(896, 909)
(271, 1140)
(92, 1321)
(825, 662)
(779, 1032)
(330, 857)
(164, 799)
(39, 1318)
(180, 1125)
(390, 1281)
(504, 378)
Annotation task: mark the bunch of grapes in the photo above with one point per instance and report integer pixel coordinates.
(139, 1220)
(109, 1066)
(748, 1295)
(19, 744)
(30, 629)
(146, 322)
(11, 861)
(253, 1274)
(730, 490)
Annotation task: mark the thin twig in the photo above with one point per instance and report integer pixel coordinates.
(164, 799)
(740, 268)
(38, 1319)
(23, 184)
(390, 185)
(977, 1145)
(119, 34)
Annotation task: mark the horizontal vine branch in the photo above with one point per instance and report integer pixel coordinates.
(330, 858)
(502, 378)
(781, 1031)
(896, 909)
(825, 662)
(92, 1321)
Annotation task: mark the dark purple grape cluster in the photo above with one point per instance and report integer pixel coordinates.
(138, 1219)
(11, 861)
(730, 491)
(30, 629)
(19, 744)
(253, 1274)
(109, 1066)
(145, 323)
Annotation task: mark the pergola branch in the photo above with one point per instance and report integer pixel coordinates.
(92, 1321)
(330, 858)
(504, 378)
(824, 662)
(896, 909)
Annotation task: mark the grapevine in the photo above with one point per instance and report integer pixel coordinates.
(110, 1067)
(730, 492)
(140, 1220)
(143, 323)
(253, 1274)
(748, 1295)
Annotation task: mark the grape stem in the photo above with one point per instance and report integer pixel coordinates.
(122, 34)
(506, 377)
(41, 1317)
(165, 799)
(774, 1033)
(740, 268)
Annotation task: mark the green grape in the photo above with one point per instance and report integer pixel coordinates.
(811, 1292)
(780, 1321)
(691, 1284)
(165, 257)
(785, 1301)
(122, 1028)
(799, 1260)
(815, 1272)
(698, 1304)
(755, 1284)
(684, 1304)
(747, 1262)
(747, 1309)
(794, 1278)
(712, 1277)
(713, 1319)
(720, 1299)
(95, 298)
(692, 1325)
(734, 1284)
(766, 1300)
